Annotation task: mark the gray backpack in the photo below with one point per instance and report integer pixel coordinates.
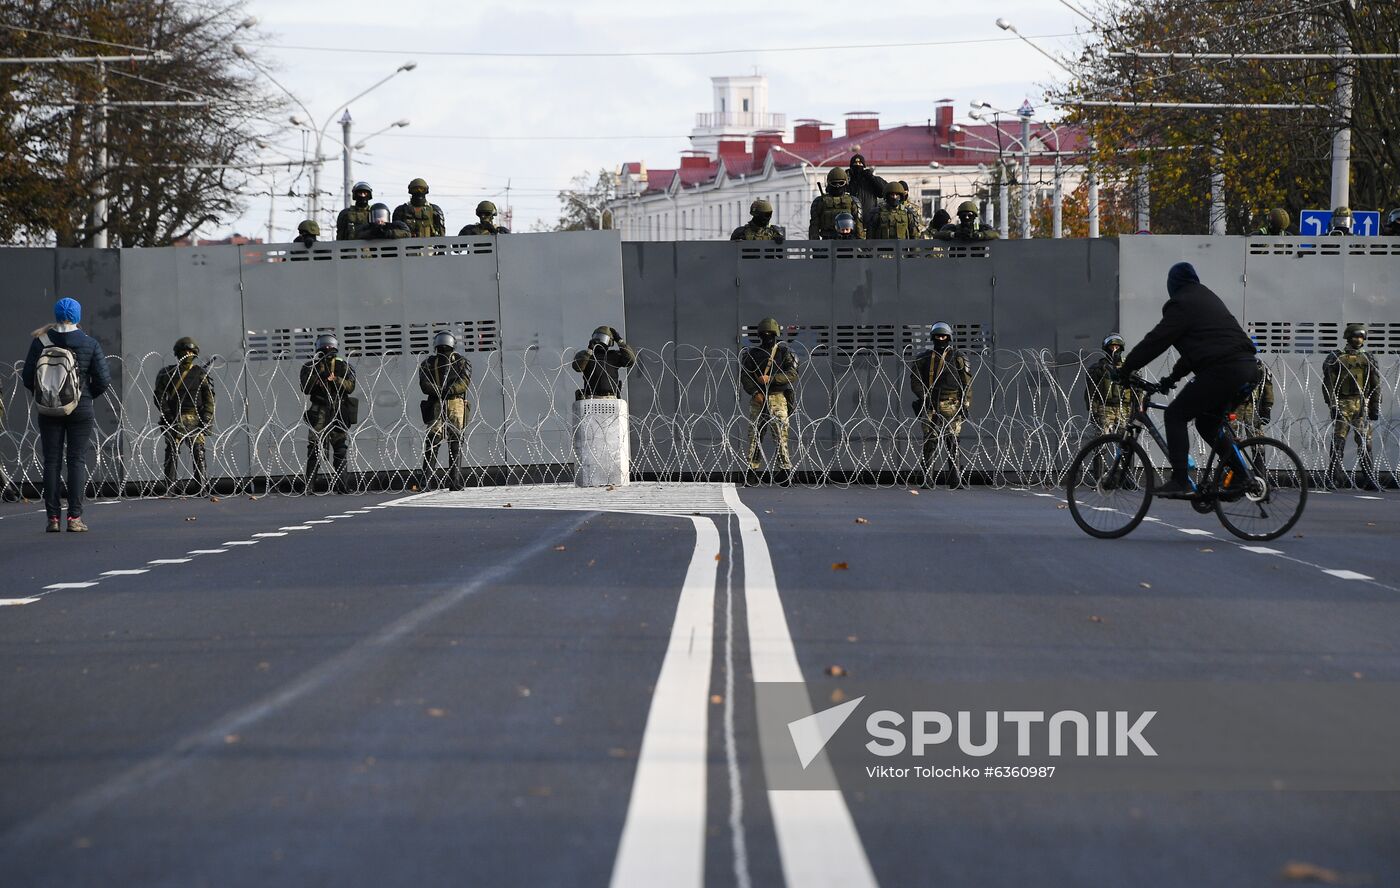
(57, 389)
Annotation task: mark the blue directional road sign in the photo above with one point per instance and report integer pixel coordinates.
(1364, 223)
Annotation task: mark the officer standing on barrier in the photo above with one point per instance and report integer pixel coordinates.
(845, 227)
(916, 217)
(1351, 385)
(1390, 226)
(942, 385)
(867, 188)
(826, 207)
(357, 214)
(892, 219)
(767, 374)
(328, 381)
(444, 378)
(601, 362)
(485, 222)
(758, 226)
(307, 232)
(968, 227)
(379, 226)
(1277, 224)
(422, 218)
(184, 397)
(1341, 222)
(1110, 402)
(1258, 409)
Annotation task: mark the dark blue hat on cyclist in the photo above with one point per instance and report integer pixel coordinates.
(1181, 274)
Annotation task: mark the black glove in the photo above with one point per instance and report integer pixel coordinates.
(1165, 386)
(1374, 414)
(1265, 416)
(617, 337)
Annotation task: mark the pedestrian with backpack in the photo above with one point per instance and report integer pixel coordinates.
(64, 371)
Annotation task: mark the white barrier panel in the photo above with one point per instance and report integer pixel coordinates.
(602, 444)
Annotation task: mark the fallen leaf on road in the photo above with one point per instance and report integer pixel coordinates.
(852, 638)
(716, 557)
(1145, 585)
(1061, 506)
(1357, 675)
(716, 699)
(213, 499)
(593, 561)
(836, 671)
(838, 696)
(1206, 550)
(264, 666)
(862, 520)
(434, 712)
(523, 691)
(1370, 524)
(611, 488)
(914, 492)
(840, 565)
(231, 739)
(559, 548)
(191, 518)
(413, 487)
(1298, 871)
(1095, 618)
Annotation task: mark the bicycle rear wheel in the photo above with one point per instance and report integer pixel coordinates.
(1273, 501)
(1109, 486)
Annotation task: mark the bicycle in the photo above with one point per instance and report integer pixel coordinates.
(1258, 494)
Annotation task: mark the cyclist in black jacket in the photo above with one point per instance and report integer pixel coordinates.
(1214, 347)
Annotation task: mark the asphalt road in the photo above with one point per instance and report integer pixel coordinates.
(448, 691)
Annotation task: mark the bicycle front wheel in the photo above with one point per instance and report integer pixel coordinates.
(1109, 486)
(1271, 501)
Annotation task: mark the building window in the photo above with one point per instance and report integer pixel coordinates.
(721, 106)
(746, 104)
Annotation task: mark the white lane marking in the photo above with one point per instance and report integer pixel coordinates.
(1045, 494)
(21, 515)
(1195, 531)
(738, 839)
(56, 586)
(240, 543)
(1346, 574)
(270, 533)
(1150, 518)
(171, 561)
(296, 527)
(377, 507)
(319, 521)
(817, 839)
(205, 551)
(62, 816)
(339, 516)
(15, 602)
(1370, 497)
(663, 838)
(1262, 550)
(357, 511)
(126, 573)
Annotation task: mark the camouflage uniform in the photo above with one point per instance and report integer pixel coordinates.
(326, 413)
(890, 223)
(1111, 404)
(1256, 411)
(351, 220)
(184, 397)
(485, 212)
(444, 378)
(748, 232)
(968, 227)
(422, 218)
(769, 405)
(1352, 388)
(942, 385)
(601, 365)
(826, 207)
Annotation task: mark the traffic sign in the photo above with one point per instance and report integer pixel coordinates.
(1364, 223)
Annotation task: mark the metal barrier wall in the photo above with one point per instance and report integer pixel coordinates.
(1294, 295)
(1029, 313)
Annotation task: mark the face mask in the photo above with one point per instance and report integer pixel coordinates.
(761, 220)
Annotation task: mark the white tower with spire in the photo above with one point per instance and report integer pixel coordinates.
(740, 110)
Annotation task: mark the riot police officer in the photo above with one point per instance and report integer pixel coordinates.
(444, 378)
(184, 398)
(357, 214)
(968, 227)
(845, 226)
(892, 220)
(485, 222)
(835, 201)
(942, 384)
(1351, 381)
(328, 382)
(601, 362)
(768, 374)
(1341, 222)
(379, 226)
(422, 218)
(758, 227)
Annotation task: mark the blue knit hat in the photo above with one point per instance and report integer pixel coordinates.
(1181, 274)
(67, 311)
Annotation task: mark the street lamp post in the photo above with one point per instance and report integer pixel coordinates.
(345, 121)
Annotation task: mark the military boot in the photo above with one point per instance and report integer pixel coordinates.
(172, 465)
(1335, 477)
(201, 474)
(342, 478)
(308, 484)
(454, 468)
(428, 478)
(956, 479)
(930, 473)
(1366, 478)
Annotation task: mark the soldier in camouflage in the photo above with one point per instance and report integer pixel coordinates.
(835, 201)
(379, 227)
(1257, 410)
(942, 385)
(485, 222)
(444, 378)
(911, 206)
(1276, 224)
(601, 363)
(1341, 222)
(328, 381)
(1351, 382)
(184, 398)
(968, 227)
(422, 218)
(767, 374)
(357, 214)
(758, 226)
(307, 233)
(893, 220)
(1111, 404)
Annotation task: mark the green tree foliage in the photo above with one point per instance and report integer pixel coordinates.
(584, 206)
(1269, 158)
(168, 168)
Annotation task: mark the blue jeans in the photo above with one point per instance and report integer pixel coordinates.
(73, 432)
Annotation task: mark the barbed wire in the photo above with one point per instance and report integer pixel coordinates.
(853, 420)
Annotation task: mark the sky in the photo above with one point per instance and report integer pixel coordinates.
(481, 124)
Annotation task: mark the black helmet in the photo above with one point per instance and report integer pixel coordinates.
(601, 336)
(327, 342)
(186, 345)
(1392, 219)
(359, 187)
(444, 339)
(941, 331)
(1354, 330)
(845, 223)
(1113, 339)
(379, 213)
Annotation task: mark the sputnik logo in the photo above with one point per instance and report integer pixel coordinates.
(811, 733)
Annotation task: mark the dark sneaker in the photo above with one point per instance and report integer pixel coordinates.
(53, 526)
(1174, 489)
(76, 525)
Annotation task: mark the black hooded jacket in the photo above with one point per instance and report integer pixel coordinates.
(1197, 323)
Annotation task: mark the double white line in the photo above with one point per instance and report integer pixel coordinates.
(663, 839)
